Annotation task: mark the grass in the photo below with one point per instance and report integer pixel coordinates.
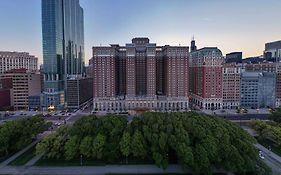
(88, 162)
(267, 143)
(3, 158)
(62, 162)
(24, 158)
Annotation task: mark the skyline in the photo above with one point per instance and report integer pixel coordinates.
(238, 29)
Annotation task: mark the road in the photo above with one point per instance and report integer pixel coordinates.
(271, 159)
(9, 116)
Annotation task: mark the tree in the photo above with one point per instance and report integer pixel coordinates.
(14, 135)
(71, 148)
(276, 115)
(138, 145)
(194, 140)
(125, 145)
(86, 146)
(45, 146)
(98, 146)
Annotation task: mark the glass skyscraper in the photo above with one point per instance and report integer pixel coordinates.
(63, 48)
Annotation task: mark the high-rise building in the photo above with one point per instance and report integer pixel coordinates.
(63, 48)
(24, 84)
(258, 90)
(234, 57)
(206, 78)
(193, 46)
(140, 76)
(272, 51)
(17, 60)
(231, 86)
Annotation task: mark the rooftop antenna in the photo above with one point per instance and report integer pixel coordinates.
(192, 38)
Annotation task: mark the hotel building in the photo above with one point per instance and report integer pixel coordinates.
(140, 76)
(206, 78)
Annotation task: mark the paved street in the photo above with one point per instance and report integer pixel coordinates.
(9, 116)
(271, 159)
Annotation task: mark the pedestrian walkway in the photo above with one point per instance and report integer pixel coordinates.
(98, 170)
(34, 160)
(12, 158)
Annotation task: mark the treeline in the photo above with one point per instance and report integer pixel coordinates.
(193, 140)
(268, 131)
(16, 134)
(276, 115)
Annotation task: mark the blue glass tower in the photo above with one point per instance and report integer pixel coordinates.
(63, 48)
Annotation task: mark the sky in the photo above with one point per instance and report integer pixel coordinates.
(240, 25)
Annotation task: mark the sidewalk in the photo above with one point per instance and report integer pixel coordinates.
(98, 170)
(34, 160)
(9, 160)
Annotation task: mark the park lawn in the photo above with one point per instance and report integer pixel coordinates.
(24, 158)
(62, 162)
(2, 159)
(267, 143)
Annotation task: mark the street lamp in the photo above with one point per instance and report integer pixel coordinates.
(81, 159)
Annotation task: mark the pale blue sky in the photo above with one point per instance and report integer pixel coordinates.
(240, 25)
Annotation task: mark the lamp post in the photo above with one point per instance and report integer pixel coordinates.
(81, 160)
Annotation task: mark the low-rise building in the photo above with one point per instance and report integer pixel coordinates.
(231, 86)
(6, 85)
(272, 51)
(234, 57)
(79, 92)
(17, 60)
(258, 90)
(24, 84)
(269, 67)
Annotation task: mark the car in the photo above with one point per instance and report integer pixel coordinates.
(57, 124)
(261, 155)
